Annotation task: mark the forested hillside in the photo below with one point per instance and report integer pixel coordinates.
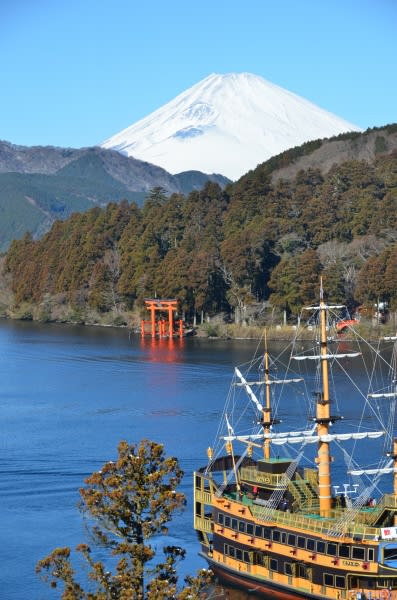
(223, 250)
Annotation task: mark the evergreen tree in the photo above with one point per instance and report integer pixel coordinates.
(127, 502)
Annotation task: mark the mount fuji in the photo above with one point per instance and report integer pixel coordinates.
(226, 124)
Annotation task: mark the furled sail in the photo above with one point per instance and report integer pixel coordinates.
(305, 437)
(326, 306)
(262, 436)
(381, 471)
(340, 437)
(272, 381)
(327, 356)
(383, 395)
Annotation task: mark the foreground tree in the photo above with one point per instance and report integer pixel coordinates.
(126, 503)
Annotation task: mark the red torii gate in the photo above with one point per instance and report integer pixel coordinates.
(170, 306)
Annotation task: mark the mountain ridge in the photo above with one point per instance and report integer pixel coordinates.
(47, 160)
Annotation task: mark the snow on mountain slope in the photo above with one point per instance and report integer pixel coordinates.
(226, 124)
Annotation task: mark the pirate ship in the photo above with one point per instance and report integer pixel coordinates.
(275, 511)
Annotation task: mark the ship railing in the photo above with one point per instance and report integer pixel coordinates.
(314, 523)
(203, 524)
(371, 514)
(387, 501)
(204, 496)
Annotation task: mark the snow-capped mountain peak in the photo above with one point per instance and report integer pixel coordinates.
(226, 124)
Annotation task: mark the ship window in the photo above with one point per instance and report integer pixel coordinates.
(321, 547)
(331, 549)
(276, 536)
(227, 521)
(358, 553)
(310, 544)
(303, 571)
(389, 553)
(283, 538)
(241, 526)
(250, 529)
(291, 540)
(301, 542)
(273, 565)
(328, 579)
(234, 523)
(370, 554)
(246, 557)
(239, 554)
(231, 551)
(288, 568)
(367, 582)
(386, 583)
(339, 581)
(260, 532)
(220, 518)
(344, 551)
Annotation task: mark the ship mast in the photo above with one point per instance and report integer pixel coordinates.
(267, 409)
(323, 418)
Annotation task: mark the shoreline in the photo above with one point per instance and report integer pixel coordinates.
(282, 333)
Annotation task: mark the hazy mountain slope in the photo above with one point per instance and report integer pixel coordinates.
(32, 202)
(34, 159)
(41, 184)
(136, 175)
(18, 212)
(226, 124)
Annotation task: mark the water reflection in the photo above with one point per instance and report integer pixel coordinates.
(162, 350)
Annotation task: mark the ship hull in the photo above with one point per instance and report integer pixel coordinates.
(263, 589)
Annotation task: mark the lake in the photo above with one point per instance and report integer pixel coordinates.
(68, 395)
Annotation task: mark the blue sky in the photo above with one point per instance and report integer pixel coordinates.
(74, 72)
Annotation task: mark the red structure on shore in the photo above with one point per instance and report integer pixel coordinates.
(162, 327)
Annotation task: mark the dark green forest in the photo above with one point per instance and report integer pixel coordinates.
(258, 241)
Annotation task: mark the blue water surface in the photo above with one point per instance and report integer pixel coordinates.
(68, 395)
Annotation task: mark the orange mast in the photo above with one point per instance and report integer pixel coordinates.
(323, 418)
